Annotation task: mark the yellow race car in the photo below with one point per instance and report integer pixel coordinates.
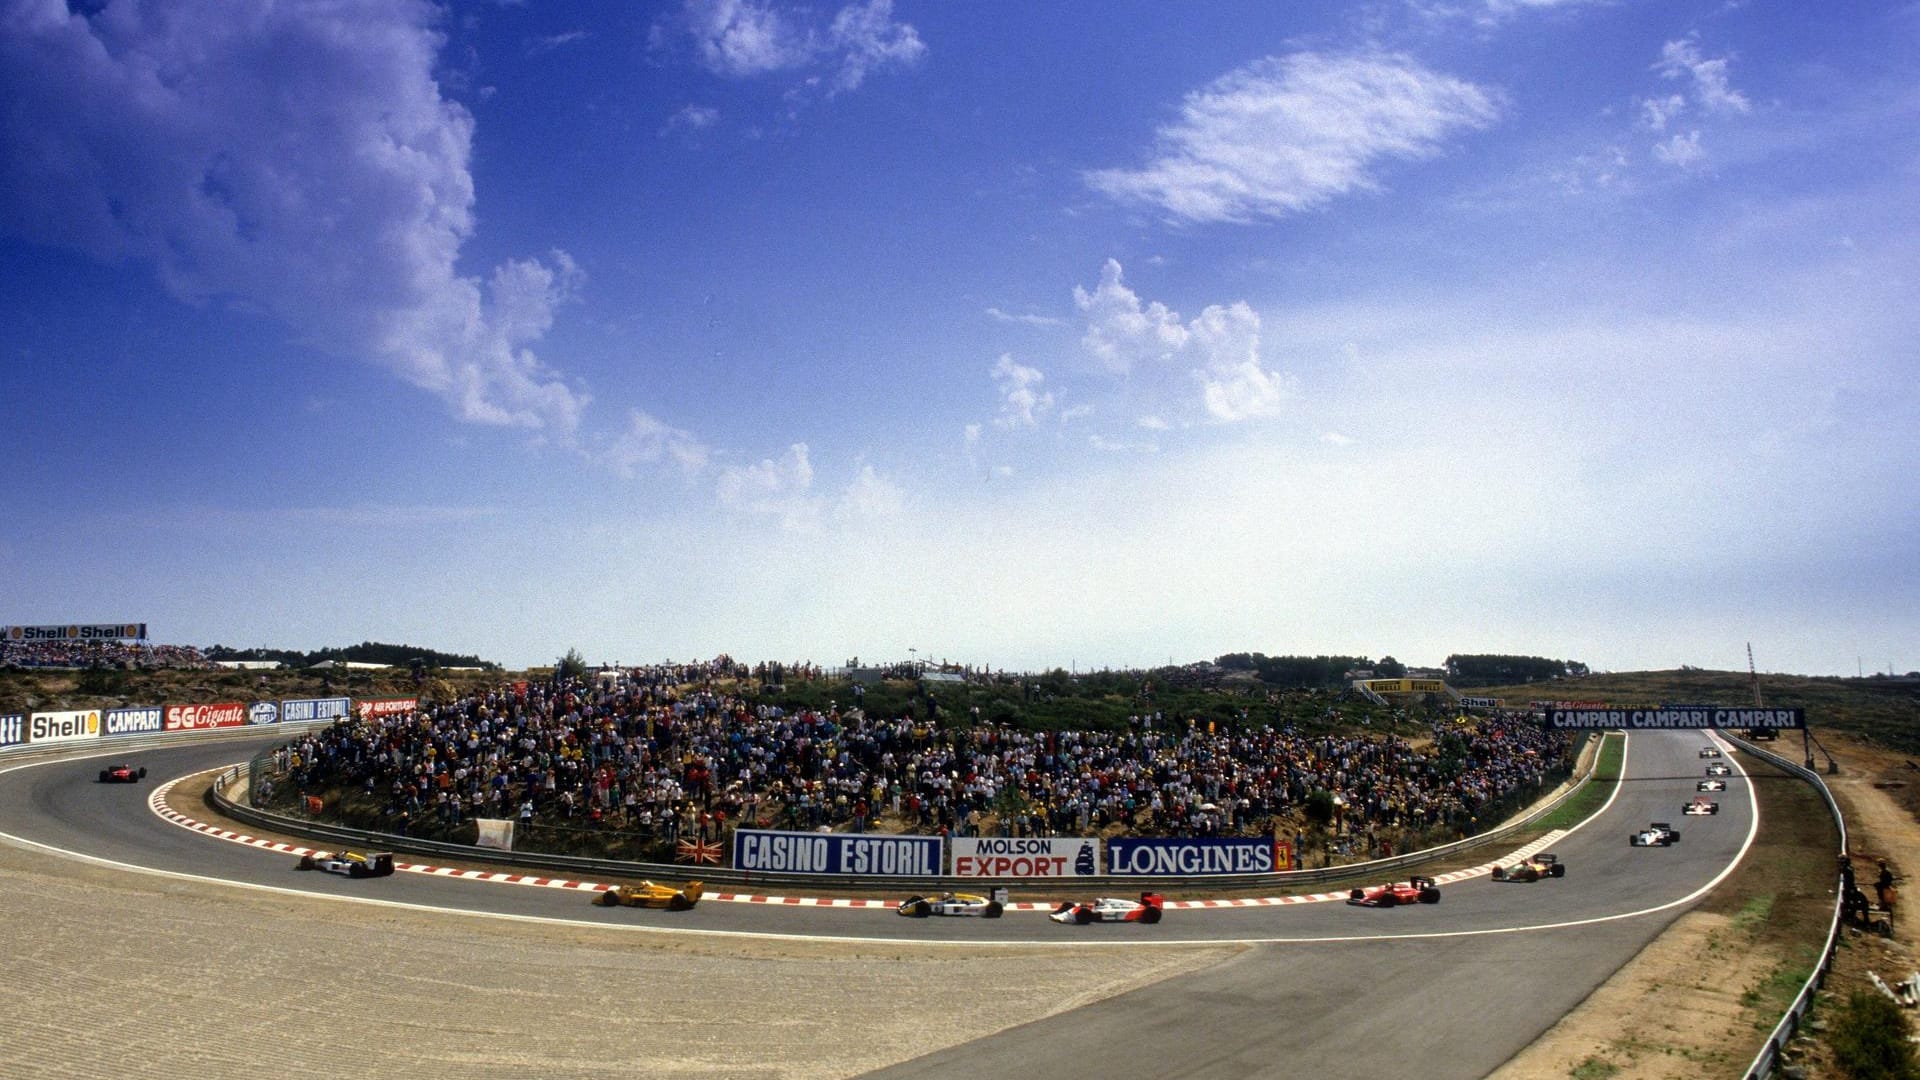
(648, 895)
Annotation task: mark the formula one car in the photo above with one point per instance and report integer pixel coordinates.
(1109, 909)
(1700, 807)
(1658, 834)
(1715, 784)
(1416, 890)
(1532, 869)
(648, 895)
(1717, 769)
(1709, 751)
(122, 774)
(979, 907)
(350, 863)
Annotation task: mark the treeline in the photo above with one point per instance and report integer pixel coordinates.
(1496, 670)
(1306, 672)
(367, 652)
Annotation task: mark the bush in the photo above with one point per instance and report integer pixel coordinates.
(1869, 1039)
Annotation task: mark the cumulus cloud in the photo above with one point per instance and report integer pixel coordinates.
(1655, 112)
(1286, 134)
(648, 441)
(1220, 347)
(749, 38)
(187, 139)
(1711, 90)
(1022, 402)
(782, 488)
(1681, 151)
(691, 118)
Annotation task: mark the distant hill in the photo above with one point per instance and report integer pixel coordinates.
(1883, 709)
(367, 652)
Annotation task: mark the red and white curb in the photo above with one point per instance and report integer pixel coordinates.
(157, 802)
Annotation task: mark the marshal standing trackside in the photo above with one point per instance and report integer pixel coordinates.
(1671, 719)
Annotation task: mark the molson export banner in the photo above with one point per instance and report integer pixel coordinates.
(79, 632)
(71, 726)
(1138, 856)
(837, 853)
(197, 717)
(1025, 857)
(1665, 719)
(13, 729)
(141, 721)
(383, 707)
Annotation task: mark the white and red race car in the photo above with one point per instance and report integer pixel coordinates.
(1110, 909)
(1715, 784)
(1700, 807)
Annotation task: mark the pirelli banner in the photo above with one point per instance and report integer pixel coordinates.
(1676, 719)
(69, 726)
(849, 854)
(1139, 856)
(1025, 857)
(13, 729)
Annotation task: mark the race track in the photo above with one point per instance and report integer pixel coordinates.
(1454, 989)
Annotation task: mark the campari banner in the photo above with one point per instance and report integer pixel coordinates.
(1025, 857)
(866, 854)
(1139, 856)
(1674, 719)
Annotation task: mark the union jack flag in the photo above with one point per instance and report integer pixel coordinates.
(697, 851)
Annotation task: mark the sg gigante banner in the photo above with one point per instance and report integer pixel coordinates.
(199, 717)
(1139, 856)
(1670, 719)
(867, 854)
(1025, 857)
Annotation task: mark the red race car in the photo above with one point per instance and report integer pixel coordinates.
(122, 774)
(1416, 890)
(1108, 909)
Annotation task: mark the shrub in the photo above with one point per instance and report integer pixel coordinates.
(1869, 1039)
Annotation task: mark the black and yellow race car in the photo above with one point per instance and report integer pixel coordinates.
(649, 895)
(355, 864)
(1532, 868)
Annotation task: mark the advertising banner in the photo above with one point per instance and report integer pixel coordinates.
(1138, 856)
(494, 833)
(145, 720)
(263, 712)
(379, 708)
(13, 729)
(837, 853)
(298, 710)
(1669, 719)
(79, 632)
(68, 726)
(198, 717)
(1025, 856)
(1479, 702)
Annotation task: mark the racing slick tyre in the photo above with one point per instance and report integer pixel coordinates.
(1082, 916)
(356, 870)
(916, 908)
(1559, 870)
(994, 910)
(1357, 894)
(609, 898)
(679, 903)
(1429, 896)
(103, 776)
(143, 772)
(1150, 915)
(1499, 873)
(306, 862)
(1388, 899)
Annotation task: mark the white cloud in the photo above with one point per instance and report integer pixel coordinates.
(184, 138)
(1681, 151)
(1022, 402)
(1286, 134)
(1655, 112)
(691, 118)
(541, 45)
(1153, 423)
(1232, 382)
(1121, 332)
(749, 38)
(1122, 446)
(1026, 320)
(870, 497)
(779, 487)
(1711, 90)
(648, 441)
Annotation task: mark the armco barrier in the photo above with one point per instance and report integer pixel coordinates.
(1769, 1057)
(581, 866)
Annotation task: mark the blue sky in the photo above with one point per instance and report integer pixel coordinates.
(1027, 335)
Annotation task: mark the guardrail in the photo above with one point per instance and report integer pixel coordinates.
(579, 865)
(1769, 1057)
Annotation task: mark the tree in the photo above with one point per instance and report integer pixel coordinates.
(1390, 668)
(570, 666)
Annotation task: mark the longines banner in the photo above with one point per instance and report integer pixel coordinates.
(79, 632)
(1668, 719)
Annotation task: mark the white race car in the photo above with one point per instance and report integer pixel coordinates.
(1658, 834)
(1110, 909)
(1715, 784)
(964, 904)
(350, 863)
(1717, 769)
(1709, 751)
(1700, 807)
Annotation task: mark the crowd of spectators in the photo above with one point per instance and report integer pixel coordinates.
(99, 654)
(667, 754)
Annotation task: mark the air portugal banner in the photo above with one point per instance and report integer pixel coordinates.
(198, 717)
(864, 854)
(1135, 856)
(1025, 857)
(380, 708)
(1672, 719)
(57, 727)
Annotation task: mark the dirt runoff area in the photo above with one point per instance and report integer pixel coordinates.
(1702, 999)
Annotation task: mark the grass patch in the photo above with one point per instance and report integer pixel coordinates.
(1594, 1068)
(1595, 792)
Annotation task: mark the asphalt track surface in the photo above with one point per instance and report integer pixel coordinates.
(1450, 990)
